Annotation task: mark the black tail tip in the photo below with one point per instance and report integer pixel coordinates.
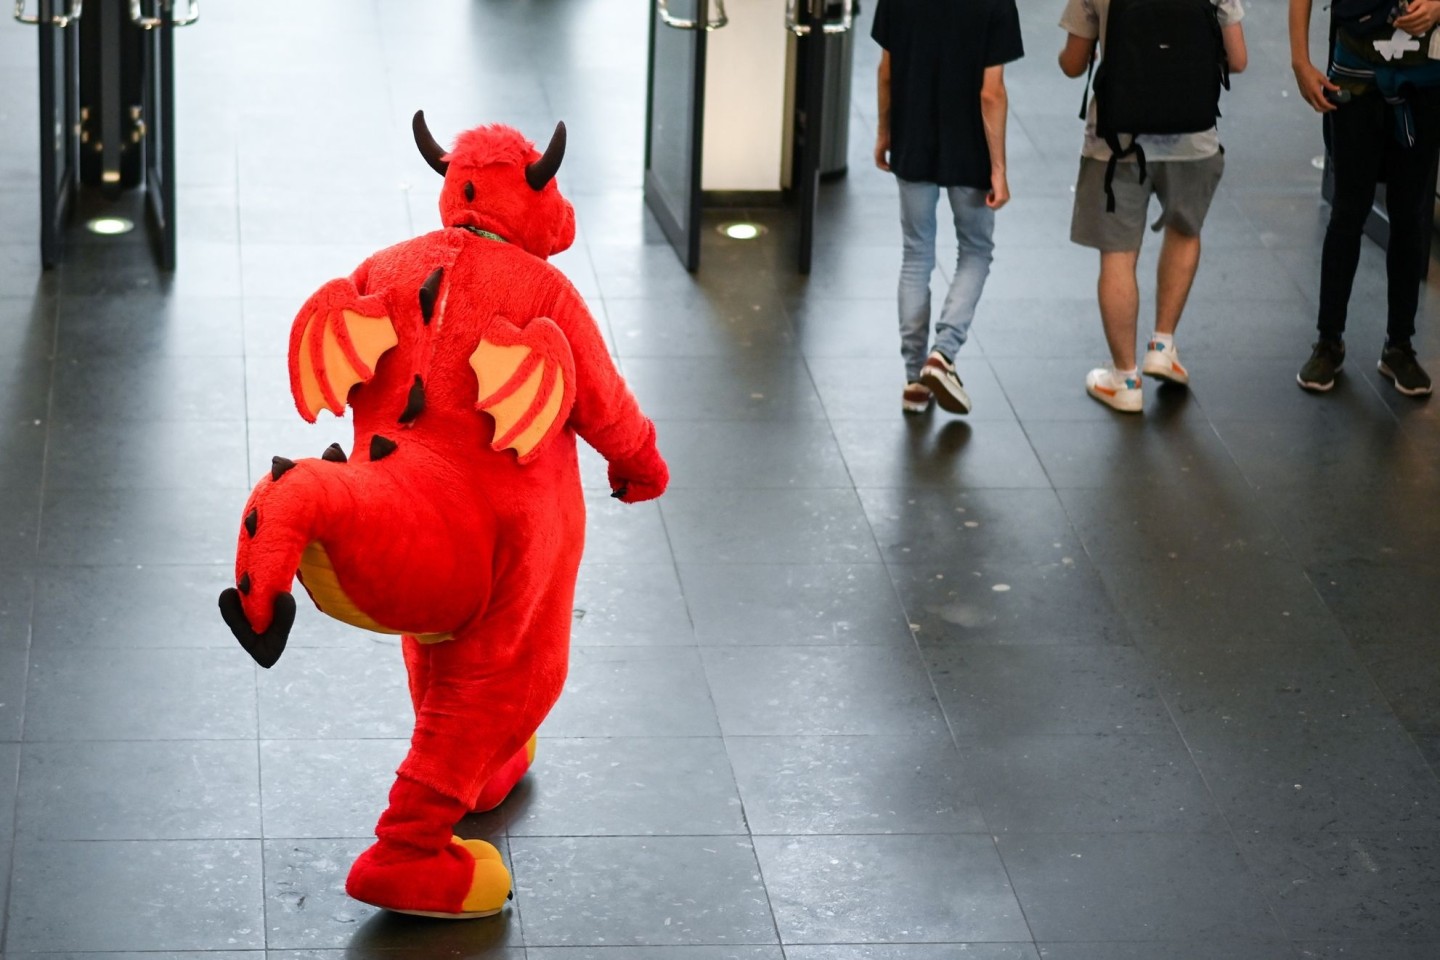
(264, 647)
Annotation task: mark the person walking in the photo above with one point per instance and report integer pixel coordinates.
(1122, 167)
(942, 119)
(1381, 100)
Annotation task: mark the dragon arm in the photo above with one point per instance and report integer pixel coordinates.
(337, 338)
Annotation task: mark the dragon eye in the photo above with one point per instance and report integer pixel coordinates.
(469, 190)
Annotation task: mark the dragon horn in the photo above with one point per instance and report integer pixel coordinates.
(433, 153)
(539, 173)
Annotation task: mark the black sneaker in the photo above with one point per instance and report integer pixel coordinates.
(1326, 359)
(1398, 363)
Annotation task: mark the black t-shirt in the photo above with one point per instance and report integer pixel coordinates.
(939, 50)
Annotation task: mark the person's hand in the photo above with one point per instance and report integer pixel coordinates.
(1420, 17)
(999, 194)
(1313, 83)
(882, 150)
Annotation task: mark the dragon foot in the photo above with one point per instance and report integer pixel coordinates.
(266, 646)
(464, 881)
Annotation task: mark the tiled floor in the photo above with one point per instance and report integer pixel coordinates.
(1043, 682)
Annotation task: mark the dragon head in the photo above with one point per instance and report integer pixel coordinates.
(495, 180)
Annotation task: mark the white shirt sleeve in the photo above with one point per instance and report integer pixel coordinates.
(1081, 19)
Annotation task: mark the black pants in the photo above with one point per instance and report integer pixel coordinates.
(1363, 151)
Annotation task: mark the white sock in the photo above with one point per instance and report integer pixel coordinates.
(1122, 375)
(1166, 340)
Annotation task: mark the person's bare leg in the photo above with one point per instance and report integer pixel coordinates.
(1119, 305)
(1179, 259)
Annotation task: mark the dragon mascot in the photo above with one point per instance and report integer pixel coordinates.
(457, 520)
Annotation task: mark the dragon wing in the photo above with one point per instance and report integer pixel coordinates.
(526, 383)
(336, 340)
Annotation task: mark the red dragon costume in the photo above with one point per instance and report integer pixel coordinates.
(457, 519)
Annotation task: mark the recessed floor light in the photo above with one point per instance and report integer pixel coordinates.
(110, 226)
(741, 231)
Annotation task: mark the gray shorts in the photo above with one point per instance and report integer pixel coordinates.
(1185, 189)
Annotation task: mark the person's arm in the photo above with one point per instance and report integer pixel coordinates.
(882, 132)
(1076, 56)
(1420, 18)
(994, 105)
(1312, 82)
(1236, 56)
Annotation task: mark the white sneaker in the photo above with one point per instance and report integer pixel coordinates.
(916, 398)
(1117, 393)
(1163, 363)
(939, 375)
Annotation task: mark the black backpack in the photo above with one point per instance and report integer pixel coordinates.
(1163, 68)
(1364, 18)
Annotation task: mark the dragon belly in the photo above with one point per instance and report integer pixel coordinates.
(320, 580)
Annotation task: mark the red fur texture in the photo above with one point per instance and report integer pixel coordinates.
(432, 533)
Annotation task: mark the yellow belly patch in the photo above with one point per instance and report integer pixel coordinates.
(318, 575)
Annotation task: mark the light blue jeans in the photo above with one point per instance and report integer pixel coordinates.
(974, 232)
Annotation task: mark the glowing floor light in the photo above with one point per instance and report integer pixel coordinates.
(109, 226)
(742, 231)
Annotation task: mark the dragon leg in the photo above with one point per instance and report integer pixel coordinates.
(498, 787)
(481, 696)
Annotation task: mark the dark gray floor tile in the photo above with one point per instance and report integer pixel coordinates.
(846, 329)
(1048, 327)
(633, 692)
(1120, 455)
(143, 896)
(1207, 520)
(792, 604)
(150, 325)
(739, 455)
(936, 526)
(294, 271)
(9, 785)
(1330, 783)
(658, 327)
(632, 786)
(343, 693)
(187, 525)
(1368, 949)
(1408, 676)
(914, 951)
(630, 604)
(1089, 784)
(295, 439)
(1381, 604)
(683, 388)
(131, 606)
(79, 693)
(1047, 690)
(1265, 689)
(19, 526)
(1196, 600)
(152, 388)
(17, 588)
(658, 891)
(985, 602)
(917, 452)
(140, 790)
(14, 667)
(1134, 890)
(149, 955)
(23, 438)
(768, 526)
(127, 268)
(1350, 886)
(935, 889)
(326, 788)
(818, 691)
(655, 953)
(1277, 453)
(854, 785)
(1264, 388)
(618, 532)
(1200, 948)
(306, 908)
(1331, 526)
(868, 390)
(161, 454)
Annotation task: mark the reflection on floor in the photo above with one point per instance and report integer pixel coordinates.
(1043, 681)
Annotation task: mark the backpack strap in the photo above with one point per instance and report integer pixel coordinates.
(1118, 153)
(1085, 94)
